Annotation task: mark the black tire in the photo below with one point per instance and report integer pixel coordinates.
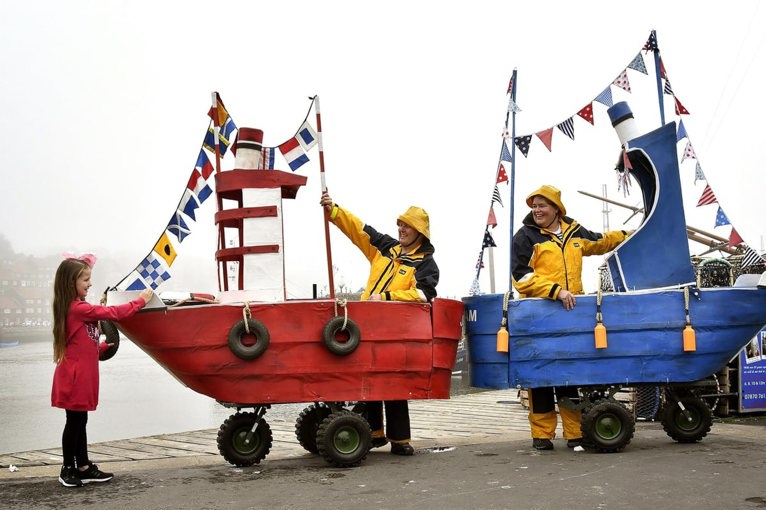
(233, 442)
(109, 330)
(689, 426)
(250, 351)
(344, 438)
(307, 425)
(331, 331)
(607, 427)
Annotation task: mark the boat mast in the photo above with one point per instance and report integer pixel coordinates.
(221, 236)
(512, 177)
(324, 190)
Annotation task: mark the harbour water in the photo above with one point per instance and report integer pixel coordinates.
(137, 398)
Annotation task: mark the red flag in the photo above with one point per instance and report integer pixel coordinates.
(546, 137)
(491, 220)
(501, 175)
(510, 85)
(707, 197)
(680, 110)
(587, 113)
(734, 238)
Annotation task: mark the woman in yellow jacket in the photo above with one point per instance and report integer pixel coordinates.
(401, 269)
(547, 263)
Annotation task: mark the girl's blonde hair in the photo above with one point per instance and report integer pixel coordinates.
(64, 292)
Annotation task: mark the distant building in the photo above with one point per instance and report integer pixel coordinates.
(26, 291)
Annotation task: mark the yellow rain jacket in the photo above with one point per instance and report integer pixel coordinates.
(543, 264)
(397, 277)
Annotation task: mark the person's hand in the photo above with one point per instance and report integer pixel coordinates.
(567, 299)
(146, 295)
(375, 297)
(326, 202)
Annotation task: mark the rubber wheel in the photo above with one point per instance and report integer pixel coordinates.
(608, 426)
(688, 427)
(343, 439)
(236, 447)
(109, 330)
(307, 425)
(338, 340)
(238, 334)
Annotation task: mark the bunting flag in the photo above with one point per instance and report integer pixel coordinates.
(306, 136)
(200, 174)
(522, 142)
(480, 260)
(546, 137)
(267, 158)
(177, 226)
(474, 290)
(707, 197)
(688, 152)
(698, 175)
(151, 273)
(638, 64)
(505, 154)
(188, 204)
(226, 128)
(488, 241)
(491, 219)
(667, 89)
(164, 248)
(651, 43)
(720, 218)
(512, 106)
(510, 85)
(293, 153)
(680, 110)
(586, 113)
(506, 134)
(501, 175)
(663, 74)
(622, 81)
(496, 196)
(734, 238)
(751, 258)
(567, 127)
(605, 97)
(681, 131)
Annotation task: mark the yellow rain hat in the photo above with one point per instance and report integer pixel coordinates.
(550, 193)
(417, 218)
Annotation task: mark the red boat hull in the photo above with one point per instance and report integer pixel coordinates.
(406, 351)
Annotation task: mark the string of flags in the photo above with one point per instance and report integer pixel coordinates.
(525, 143)
(154, 269)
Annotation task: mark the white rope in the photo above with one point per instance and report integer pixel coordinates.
(342, 303)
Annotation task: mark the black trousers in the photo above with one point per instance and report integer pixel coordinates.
(74, 440)
(397, 419)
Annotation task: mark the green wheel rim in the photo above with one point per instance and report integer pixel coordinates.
(240, 443)
(608, 426)
(346, 440)
(692, 423)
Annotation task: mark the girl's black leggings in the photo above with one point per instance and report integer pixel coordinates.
(74, 440)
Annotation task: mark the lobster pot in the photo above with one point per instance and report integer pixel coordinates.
(264, 273)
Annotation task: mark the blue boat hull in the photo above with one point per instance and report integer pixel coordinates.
(549, 346)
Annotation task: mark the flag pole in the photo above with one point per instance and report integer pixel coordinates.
(658, 73)
(219, 200)
(324, 190)
(512, 177)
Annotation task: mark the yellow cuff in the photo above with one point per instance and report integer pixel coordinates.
(334, 211)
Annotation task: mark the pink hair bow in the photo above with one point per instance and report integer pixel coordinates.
(88, 258)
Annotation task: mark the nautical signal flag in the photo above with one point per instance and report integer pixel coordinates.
(293, 153)
(197, 182)
(151, 273)
(188, 204)
(267, 157)
(177, 226)
(220, 116)
(306, 136)
(164, 248)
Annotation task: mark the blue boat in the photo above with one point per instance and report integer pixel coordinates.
(655, 299)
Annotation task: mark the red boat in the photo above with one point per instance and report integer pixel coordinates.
(251, 348)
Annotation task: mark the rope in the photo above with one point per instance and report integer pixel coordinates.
(246, 316)
(342, 302)
(686, 305)
(598, 305)
(506, 297)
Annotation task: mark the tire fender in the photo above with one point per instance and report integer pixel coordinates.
(248, 352)
(112, 337)
(332, 328)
